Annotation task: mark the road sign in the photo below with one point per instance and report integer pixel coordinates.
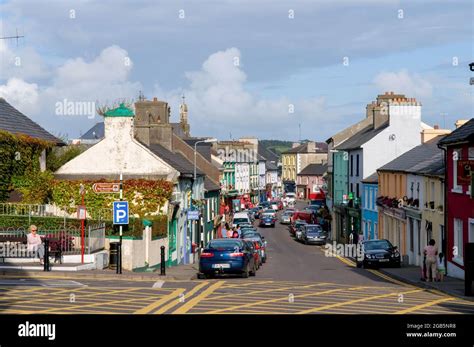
(106, 187)
(120, 212)
(193, 215)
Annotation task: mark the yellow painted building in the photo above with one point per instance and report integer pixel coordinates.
(392, 218)
(289, 167)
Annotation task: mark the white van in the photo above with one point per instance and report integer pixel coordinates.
(241, 217)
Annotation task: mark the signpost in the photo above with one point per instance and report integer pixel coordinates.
(82, 191)
(106, 187)
(193, 215)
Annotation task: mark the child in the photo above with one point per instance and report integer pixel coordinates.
(441, 268)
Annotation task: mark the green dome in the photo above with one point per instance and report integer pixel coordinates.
(121, 111)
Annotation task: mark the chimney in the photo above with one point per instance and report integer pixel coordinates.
(311, 147)
(295, 144)
(379, 115)
(429, 134)
(436, 126)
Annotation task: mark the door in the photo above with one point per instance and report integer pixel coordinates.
(172, 253)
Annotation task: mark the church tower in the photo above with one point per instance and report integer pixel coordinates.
(183, 118)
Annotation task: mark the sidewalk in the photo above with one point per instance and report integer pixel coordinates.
(411, 274)
(175, 273)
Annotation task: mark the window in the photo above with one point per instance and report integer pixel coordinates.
(371, 198)
(352, 188)
(458, 242)
(456, 188)
(376, 235)
(366, 198)
(432, 196)
(412, 239)
(357, 167)
(352, 165)
(357, 190)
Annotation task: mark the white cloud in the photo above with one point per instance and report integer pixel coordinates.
(218, 102)
(21, 94)
(412, 85)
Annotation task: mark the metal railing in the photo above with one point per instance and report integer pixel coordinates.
(67, 240)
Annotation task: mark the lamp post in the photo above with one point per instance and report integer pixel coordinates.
(210, 140)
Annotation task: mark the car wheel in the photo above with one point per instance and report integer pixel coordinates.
(245, 274)
(254, 272)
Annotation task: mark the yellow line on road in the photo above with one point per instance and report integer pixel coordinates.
(160, 302)
(285, 298)
(344, 303)
(233, 295)
(421, 306)
(172, 304)
(345, 261)
(246, 284)
(194, 301)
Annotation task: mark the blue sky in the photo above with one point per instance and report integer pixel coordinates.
(192, 47)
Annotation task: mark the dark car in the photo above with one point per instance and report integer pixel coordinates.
(227, 256)
(294, 226)
(378, 253)
(267, 220)
(313, 234)
(255, 212)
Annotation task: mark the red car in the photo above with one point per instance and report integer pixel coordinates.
(295, 225)
(307, 216)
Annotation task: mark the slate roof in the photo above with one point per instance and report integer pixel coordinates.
(178, 130)
(321, 147)
(363, 136)
(414, 158)
(269, 166)
(209, 185)
(176, 160)
(464, 133)
(433, 166)
(97, 132)
(374, 178)
(314, 170)
(267, 154)
(15, 122)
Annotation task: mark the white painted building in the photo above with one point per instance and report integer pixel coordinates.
(242, 177)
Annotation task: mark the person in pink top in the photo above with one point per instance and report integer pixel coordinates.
(34, 243)
(431, 251)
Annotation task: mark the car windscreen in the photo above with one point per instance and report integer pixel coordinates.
(379, 244)
(240, 220)
(313, 229)
(224, 244)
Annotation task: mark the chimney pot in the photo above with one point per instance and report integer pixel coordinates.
(436, 126)
(155, 99)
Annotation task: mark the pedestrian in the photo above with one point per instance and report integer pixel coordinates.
(239, 231)
(230, 232)
(224, 230)
(35, 244)
(441, 268)
(431, 251)
(235, 234)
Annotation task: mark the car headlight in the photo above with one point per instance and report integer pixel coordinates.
(368, 256)
(395, 255)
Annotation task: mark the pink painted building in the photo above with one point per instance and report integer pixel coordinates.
(310, 180)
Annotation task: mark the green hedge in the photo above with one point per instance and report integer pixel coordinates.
(135, 228)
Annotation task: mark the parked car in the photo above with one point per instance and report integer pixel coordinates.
(285, 218)
(379, 252)
(255, 211)
(312, 208)
(260, 245)
(267, 219)
(241, 217)
(294, 226)
(265, 205)
(319, 202)
(227, 256)
(313, 234)
(290, 197)
(270, 211)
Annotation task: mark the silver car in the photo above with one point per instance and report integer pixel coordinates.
(285, 218)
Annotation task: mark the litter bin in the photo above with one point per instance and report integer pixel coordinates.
(114, 247)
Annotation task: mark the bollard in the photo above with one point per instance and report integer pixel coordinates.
(46, 255)
(163, 265)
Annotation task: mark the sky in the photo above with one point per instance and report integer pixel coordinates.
(271, 68)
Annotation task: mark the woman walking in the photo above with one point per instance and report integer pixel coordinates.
(431, 251)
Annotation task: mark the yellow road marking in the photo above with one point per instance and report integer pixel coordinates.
(421, 306)
(322, 308)
(262, 302)
(265, 291)
(345, 261)
(105, 302)
(247, 284)
(194, 301)
(172, 304)
(160, 302)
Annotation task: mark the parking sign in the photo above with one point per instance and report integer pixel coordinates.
(120, 212)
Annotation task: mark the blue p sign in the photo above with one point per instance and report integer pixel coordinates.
(120, 212)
